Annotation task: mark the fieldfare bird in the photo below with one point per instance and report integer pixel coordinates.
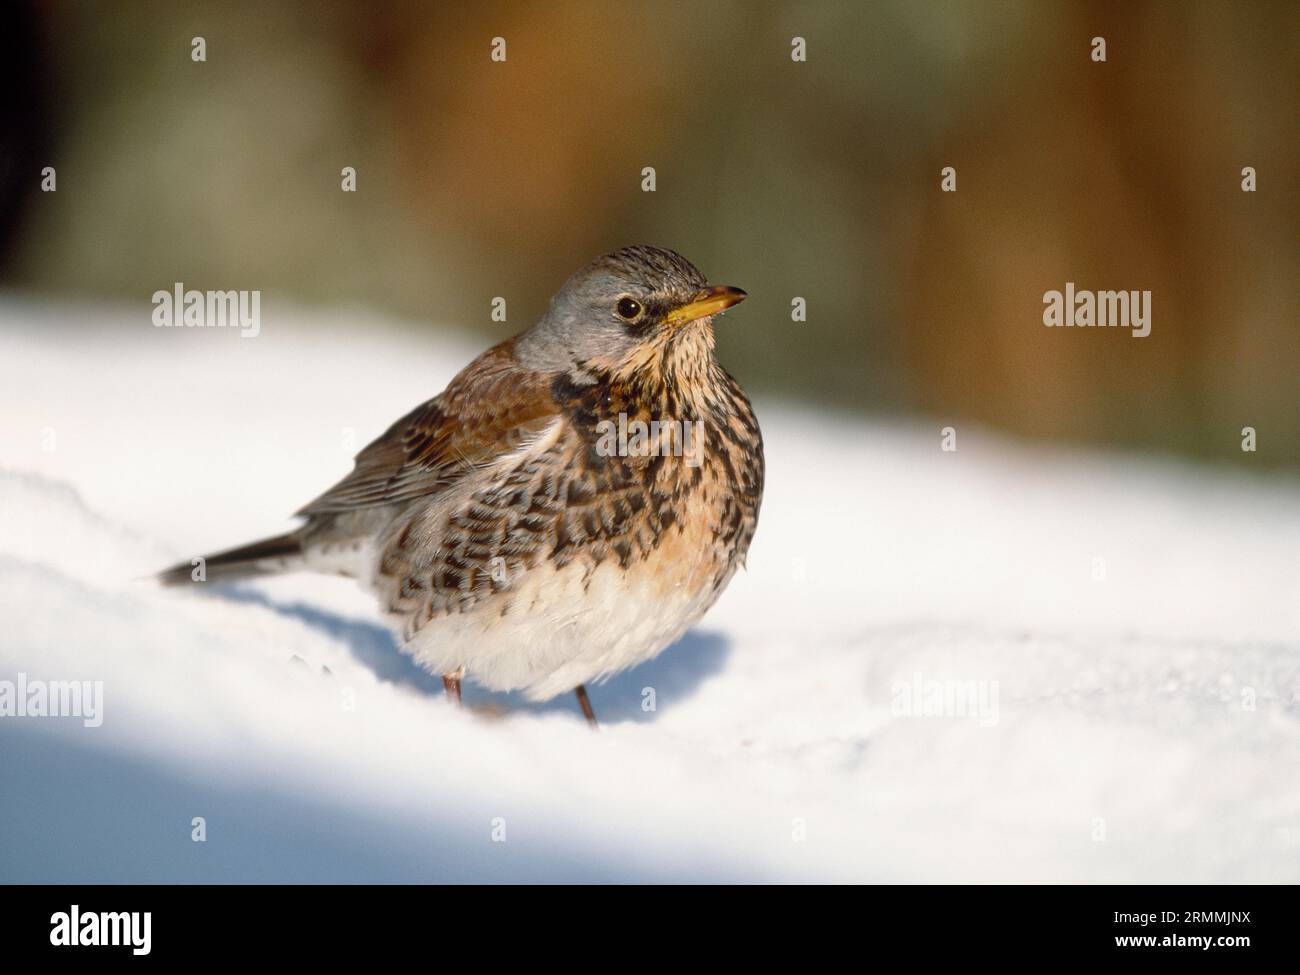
(576, 498)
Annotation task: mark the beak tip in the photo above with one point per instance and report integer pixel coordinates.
(726, 295)
(713, 300)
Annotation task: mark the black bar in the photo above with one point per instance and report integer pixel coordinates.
(957, 925)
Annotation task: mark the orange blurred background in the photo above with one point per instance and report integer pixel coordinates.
(818, 179)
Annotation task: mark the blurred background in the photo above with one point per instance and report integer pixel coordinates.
(818, 179)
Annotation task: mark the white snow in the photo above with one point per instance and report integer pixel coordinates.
(1145, 727)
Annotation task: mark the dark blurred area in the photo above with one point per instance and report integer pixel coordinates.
(818, 179)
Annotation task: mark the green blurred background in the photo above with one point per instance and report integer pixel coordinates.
(817, 179)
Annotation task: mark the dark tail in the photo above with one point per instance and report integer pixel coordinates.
(267, 557)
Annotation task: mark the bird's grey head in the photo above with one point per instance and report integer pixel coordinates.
(621, 303)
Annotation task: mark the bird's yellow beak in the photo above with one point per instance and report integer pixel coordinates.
(708, 302)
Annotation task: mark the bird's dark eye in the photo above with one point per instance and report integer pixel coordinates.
(629, 309)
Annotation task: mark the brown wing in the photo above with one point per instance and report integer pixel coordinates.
(492, 407)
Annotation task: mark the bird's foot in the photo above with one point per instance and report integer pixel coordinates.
(451, 685)
(585, 703)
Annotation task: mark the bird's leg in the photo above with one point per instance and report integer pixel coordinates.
(583, 700)
(451, 685)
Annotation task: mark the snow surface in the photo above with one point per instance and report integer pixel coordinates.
(1146, 723)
